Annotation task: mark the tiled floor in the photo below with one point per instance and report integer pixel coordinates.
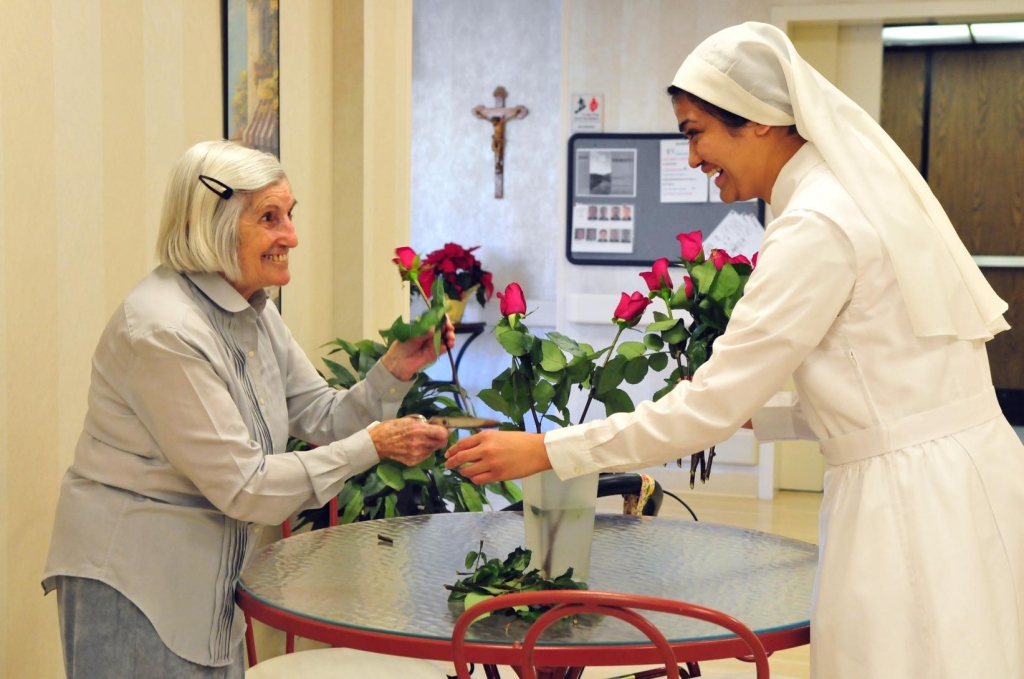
(790, 514)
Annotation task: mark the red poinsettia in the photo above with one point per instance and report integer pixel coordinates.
(461, 271)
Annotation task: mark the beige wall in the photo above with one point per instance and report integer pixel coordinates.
(97, 98)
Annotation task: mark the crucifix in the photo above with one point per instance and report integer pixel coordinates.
(498, 116)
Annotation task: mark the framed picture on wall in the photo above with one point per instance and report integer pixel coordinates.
(250, 40)
(251, 73)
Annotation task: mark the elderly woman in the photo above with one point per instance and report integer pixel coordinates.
(864, 293)
(196, 385)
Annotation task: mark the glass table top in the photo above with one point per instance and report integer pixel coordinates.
(346, 576)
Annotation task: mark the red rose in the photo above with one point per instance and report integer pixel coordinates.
(689, 287)
(485, 280)
(657, 278)
(406, 258)
(739, 259)
(512, 301)
(692, 245)
(753, 262)
(719, 258)
(631, 308)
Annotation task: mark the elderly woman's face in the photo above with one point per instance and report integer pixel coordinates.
(730, 155)
(266, 234)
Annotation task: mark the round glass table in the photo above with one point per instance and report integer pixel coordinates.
(347, 586)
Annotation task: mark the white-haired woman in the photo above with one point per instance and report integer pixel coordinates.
(196, 386)
(865, 294)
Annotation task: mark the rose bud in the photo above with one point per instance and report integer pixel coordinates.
(630, 308)
(719, 258)
(689, 287)
(657, 278)
(512, 301)
(739, 259)
(753, 262)
(692, 245)
(406, 259)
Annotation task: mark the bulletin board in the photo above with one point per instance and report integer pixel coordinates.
(630, 195)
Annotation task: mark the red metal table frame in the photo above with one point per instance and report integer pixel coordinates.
(561, 655)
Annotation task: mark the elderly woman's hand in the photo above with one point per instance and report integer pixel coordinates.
(408, 440)
(405, 359)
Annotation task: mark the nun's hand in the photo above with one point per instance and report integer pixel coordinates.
(498, 456)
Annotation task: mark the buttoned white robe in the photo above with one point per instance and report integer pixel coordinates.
(921, 568)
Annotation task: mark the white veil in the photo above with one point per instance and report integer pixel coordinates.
(754, 71)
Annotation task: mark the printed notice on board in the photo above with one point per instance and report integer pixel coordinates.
(681, 183)
(587, 113)
(602, 227)
(606, 173)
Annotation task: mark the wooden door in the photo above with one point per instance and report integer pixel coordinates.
(959, 114)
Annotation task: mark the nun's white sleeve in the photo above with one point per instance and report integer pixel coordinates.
(782, 419)
(805, 274)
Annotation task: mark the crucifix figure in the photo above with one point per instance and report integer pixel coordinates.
(498, 116)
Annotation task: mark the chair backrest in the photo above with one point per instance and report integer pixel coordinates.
(622, 606)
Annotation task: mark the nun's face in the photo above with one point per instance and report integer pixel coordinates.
(732, 155)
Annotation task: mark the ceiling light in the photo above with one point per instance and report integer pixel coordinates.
(934, 34)
(1004, 32)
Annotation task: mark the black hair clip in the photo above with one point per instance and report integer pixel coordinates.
(224, 191)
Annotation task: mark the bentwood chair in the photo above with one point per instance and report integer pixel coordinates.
(621, 606)
(332, 663)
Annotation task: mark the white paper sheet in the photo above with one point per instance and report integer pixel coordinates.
(680, 183)
(738, 234)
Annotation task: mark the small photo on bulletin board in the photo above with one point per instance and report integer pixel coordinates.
(629, 195)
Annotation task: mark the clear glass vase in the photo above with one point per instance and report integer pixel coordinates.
(559, 520)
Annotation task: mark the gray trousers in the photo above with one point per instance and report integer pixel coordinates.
(106, 636)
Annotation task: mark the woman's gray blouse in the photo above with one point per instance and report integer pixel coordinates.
(194, 392)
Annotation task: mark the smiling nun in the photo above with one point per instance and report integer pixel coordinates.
(865, 295)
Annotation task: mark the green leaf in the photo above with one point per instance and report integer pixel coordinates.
(578, 370)
(391, 474)
(667, 324)
(676, 335)
(679, 298)
(543, 392)
(512, 493)
(566, 344)
(390, 506)
(658, 361)
(474, 598)
(611, 375)
(703, 276)
(353, 507)
(659, 316)
(471, 496)
(631, 349)
(663, 391)
(493, 400)
(654, 342)
(415, 474)
(342, 375)
(471, 559)
(725, 284)
(372, 485)
(636, 370)
(617, 401)
(553, 359)
(516, 343)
